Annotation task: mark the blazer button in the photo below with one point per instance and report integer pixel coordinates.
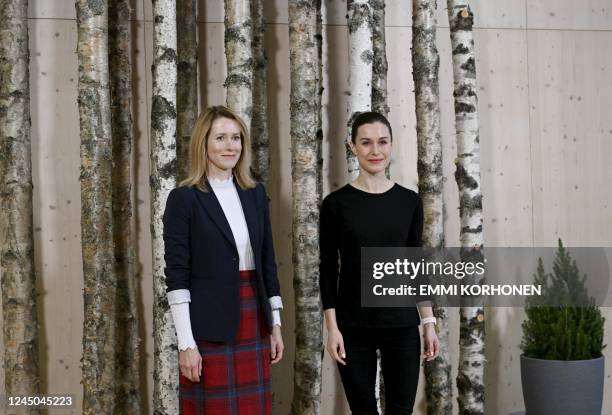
(234, 258)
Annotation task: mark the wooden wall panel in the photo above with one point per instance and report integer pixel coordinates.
(571, 130)
(57, 203)
(569, 14)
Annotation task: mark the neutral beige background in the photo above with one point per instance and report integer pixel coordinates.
(544, 70)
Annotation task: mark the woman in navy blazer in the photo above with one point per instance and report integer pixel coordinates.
(221, 274)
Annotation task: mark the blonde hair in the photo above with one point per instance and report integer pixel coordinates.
(198, 158)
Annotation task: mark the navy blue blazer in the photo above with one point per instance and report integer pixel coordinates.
(201, 256)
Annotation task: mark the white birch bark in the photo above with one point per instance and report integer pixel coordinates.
(361, 58)
(239, 55)
(99, 267)
(18, 282)
(379, 77)
(260, 163)
(425, 64)
(379, 386)
(470, 380)
(163, 180)
(187, 81)
(305, 59)
(380, 65)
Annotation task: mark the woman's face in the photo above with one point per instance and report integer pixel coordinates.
(373, 147)
(224, 145)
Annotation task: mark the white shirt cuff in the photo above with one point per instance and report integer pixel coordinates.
(182, 323)
(276, 303)
(179, 296)
(276, 320)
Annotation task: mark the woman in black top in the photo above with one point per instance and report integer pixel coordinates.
(372, 211)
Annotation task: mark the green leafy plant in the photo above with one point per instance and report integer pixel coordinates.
(564, 332)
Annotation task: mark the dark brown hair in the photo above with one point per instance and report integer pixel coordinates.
(369, 117)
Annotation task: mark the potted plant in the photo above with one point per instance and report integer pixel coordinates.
(562, 366)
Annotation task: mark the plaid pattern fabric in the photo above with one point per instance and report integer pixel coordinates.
(236, 375)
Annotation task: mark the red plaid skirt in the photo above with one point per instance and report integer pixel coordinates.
(235, 375)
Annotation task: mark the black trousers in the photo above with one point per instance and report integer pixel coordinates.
(400, 350)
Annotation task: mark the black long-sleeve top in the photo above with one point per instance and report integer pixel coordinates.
(351, 219)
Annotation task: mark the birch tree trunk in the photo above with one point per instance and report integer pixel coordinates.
(127, 350)
(163, 180)
(379, 74)
(99, 271)
(259, 122)
(16, 217)
(438, 384)
(305, 46)
(187, 81)
(425, 65)
(470, 380)
(239, 54)
(361, 58)
(379, 66)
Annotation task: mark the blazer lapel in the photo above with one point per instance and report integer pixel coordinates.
(211, 205)
(250, 214)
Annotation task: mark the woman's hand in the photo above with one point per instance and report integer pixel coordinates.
(190, 363)
(276, 341)
(335, 345)
(431, 342)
